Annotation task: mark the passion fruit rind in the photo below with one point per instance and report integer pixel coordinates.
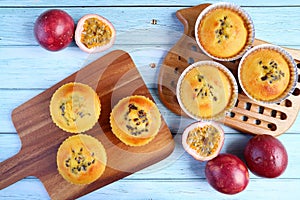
(266, 156)
(81, 159)
(94, 33)
(203, 140)
(54, 29)
(227, 174)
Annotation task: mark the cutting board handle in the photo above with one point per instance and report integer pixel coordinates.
(188, 17)
(11, 170)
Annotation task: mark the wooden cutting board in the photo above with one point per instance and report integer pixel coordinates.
(247, 116)
(113, 77)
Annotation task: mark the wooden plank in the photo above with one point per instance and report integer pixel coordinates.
(180, 165)
(114, 73)
(24, 63)
(172, 180)
(164, 189)
(166, 31)
(139, 3)
(197, 189)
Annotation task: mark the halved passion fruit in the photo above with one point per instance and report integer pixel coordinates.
(203, 140)
(94, 33)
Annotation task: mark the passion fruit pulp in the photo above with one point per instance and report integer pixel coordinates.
(203, 140)
(266, 156)
(227, 174)
(54, 29)
(94, 33)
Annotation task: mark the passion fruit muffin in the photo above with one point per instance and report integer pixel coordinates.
(206, 90)
(135, 120)
(81, 159)
(75, 107)
(267, 73)
(224, 31)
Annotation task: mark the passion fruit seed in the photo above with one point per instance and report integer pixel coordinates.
(137, 120)
(203, 89)
(73, 108)
(95, 33)
(78, 162)
(221, 31)
(204, 140)
(271, 71)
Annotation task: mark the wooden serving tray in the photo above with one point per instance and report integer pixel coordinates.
(113, 77)
(247, 116)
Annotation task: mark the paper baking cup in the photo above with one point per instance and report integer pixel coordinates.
(233, 98)
(293, 72)
(81, 159)
(86, 119)
(243, 14)
(140, 131)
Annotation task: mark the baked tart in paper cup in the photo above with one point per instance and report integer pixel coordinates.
(75, 107)
(81, 159)
(206, 90)
(135, 120)
(267, 74)
(224, 31)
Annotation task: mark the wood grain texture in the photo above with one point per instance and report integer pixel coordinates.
(180, 176)
(131, 29)
(175, 122)
(166, 189)
(179, 165)
(35, 3)
(23, 63)
(247, 115)
(27, 70)
(113, 77)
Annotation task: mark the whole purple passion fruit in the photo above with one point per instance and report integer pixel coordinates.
(54, 29)
(227, 174)
(266, 156)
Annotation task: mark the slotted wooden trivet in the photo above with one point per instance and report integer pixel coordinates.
(247, 116)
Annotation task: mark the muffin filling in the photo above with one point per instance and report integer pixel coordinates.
(73, 108)
(78, 161)
(271, 73)
(222, 32)
(204, 90)
(137, 121)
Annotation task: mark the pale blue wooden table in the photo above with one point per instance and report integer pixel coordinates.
(26, 70)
